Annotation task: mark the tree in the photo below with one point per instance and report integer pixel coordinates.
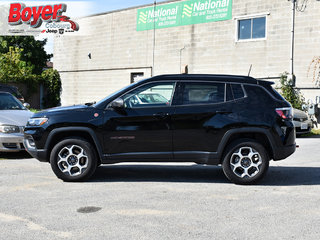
(32, 51)
(52, 82)
(290, 93)
(22, 60)
(13, 69)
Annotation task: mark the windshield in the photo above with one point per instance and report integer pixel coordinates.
(14, 91)
(9, 102)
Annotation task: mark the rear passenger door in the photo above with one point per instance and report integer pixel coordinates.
(204, 112)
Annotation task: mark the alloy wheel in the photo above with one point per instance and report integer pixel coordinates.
(72, 160)
(246, 162)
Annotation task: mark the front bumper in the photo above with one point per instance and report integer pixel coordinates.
(39, 154)
(11, 142)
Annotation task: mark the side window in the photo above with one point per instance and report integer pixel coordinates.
(258, 94)
(202, 93)
(237, 91)
(274, 92)
(150, 95)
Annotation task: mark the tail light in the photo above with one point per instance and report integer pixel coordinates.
(285, 113)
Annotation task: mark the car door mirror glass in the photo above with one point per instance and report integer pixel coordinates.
(26, 105)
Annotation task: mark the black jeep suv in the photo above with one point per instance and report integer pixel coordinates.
(238, 122)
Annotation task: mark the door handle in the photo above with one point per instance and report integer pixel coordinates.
(223, 112)
(161, 115)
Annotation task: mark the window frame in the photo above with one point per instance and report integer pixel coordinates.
(250, 17)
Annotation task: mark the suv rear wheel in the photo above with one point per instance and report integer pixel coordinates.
(73, 159)
(245, 162)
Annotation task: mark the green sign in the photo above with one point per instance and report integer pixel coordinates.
(183, 13)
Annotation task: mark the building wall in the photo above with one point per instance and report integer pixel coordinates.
(117, 49)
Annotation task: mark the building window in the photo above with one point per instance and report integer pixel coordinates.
(251, 28)
(136, 76)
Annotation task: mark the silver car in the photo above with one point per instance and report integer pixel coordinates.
(301, 121)
(13, 118)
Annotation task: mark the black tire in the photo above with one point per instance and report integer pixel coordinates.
(82, 166)
(247, 166)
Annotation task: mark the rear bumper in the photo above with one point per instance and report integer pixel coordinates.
(284, 152)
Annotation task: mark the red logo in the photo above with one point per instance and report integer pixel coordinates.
(34, 16)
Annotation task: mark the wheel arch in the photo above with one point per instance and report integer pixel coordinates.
(86, 133)
(260, 135)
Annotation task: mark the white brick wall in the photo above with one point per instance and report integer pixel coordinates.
(211, 48)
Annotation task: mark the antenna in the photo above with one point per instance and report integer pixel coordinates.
(250, 70)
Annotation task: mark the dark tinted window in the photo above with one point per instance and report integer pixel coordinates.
(237, 91)
(258, 93)
(274, 93)
(203, 93)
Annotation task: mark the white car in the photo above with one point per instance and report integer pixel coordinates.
(13, 118)
(302, 122)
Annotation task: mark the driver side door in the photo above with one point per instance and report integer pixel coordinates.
(142, 129)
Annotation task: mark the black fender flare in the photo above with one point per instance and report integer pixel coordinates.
(88, 130)
(231, 132)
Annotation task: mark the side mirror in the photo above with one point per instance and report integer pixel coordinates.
(118, 103)
(26, 105)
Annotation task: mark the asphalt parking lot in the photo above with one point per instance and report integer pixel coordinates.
(161, 201)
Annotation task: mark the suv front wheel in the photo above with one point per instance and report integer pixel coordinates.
(73, 159)
(245, 162)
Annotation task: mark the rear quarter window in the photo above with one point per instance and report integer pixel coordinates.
(234, 92)
(237, 91)
(258, 94)
(275, 93)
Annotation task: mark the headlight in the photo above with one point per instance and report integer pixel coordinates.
(9, 129)
(37, 121)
